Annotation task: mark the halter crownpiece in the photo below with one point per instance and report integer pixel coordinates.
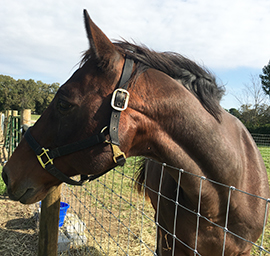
(119, 103)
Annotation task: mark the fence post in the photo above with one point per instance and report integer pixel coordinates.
(12, 132)
(26, 117)
(7, 114)
(14, 112)
(49, 222)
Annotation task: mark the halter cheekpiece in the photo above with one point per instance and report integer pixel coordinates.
(119, 103)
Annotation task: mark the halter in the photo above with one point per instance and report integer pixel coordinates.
(119, 103)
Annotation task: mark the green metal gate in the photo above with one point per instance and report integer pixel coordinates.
(12, 133)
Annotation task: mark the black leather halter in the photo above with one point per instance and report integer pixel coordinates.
(119, 103)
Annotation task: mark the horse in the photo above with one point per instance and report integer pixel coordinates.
(127, 100)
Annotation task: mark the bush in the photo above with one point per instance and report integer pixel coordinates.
(263, 129)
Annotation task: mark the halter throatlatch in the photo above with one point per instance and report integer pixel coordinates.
(119, 103)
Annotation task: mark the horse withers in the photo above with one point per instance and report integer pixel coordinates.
(126, 100)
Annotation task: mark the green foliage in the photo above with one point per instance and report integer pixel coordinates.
(46, 94)
(24, 94)
(235, 113)
(256, 119)
(265, 78)
(6, 84)
(2, 184)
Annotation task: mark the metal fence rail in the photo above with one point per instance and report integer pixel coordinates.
(262, 139)
(115, 220)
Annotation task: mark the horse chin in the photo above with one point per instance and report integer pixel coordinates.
(31, 196)
(28, 195)
(26, 191)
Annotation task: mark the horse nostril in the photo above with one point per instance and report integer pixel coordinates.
(5, 177)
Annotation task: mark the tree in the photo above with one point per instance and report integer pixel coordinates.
(252, 94)
(23, 94)
(235, 112)
(254, 112)
(251, 100)
(265, 79)
(46, 94)
(6, 84)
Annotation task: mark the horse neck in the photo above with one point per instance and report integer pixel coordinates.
(189, 143)
(181, 132)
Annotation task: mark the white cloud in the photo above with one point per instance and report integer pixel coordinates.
(47, 37)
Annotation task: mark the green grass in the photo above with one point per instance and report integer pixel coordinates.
(2, 184)
(35, 117)
(265, 152)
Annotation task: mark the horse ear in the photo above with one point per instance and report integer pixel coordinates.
(100, 46)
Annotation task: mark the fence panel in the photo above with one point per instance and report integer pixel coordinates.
(12, 135)
(13, 127)
(108, 217)
(262, 139)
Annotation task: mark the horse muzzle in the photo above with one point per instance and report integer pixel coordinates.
(22, 191)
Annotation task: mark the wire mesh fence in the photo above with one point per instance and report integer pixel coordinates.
(114, 219)
(108, 217)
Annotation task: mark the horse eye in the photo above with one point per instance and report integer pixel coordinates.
(64, 105)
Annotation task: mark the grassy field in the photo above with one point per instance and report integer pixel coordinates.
(265, 152)
(35, 117)
(2, 184)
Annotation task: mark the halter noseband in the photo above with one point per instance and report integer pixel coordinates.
(119, 103)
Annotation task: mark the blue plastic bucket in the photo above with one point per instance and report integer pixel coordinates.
(63, 211)
(62, 214)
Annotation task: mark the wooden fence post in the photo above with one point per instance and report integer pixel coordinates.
(49, 222)
(14, 112)
(26, 117)
(7, 114)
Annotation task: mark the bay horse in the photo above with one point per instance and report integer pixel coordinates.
(126, 100)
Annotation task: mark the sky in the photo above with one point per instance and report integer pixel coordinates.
(44, 40)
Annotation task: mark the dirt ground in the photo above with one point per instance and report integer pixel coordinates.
(18, 226)
(18, 229)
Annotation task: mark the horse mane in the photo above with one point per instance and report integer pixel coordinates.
(198, 80)
(140, 176)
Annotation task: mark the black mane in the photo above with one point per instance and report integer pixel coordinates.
(195, 78)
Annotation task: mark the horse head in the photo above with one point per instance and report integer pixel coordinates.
(79, 122)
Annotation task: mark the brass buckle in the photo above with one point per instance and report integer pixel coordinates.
(119, 157)
(120, 90)
(39, 157)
